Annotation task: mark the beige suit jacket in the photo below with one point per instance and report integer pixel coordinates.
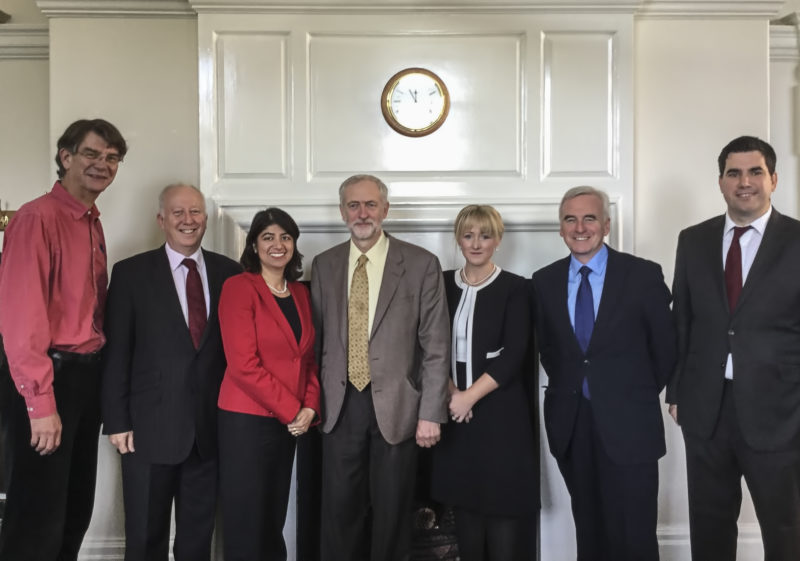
(409, 349)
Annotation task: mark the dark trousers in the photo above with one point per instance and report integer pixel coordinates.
(255, 468)
(715, 468)
(50, 498)
(367, 487)
(494, 538)
(309, 495)
(149, 490)
(615, 507)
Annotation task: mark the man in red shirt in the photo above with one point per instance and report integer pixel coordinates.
(53, 282)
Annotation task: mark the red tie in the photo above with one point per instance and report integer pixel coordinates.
(195, 302)
(733, 268)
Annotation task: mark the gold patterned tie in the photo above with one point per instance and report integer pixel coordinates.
(357, 325)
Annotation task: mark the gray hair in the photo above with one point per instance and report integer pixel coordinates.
(353, 179)
(165, 191)
(586, 190)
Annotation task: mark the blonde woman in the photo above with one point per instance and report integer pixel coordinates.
(485, 465)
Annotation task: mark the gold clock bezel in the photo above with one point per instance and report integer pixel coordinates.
(391, 118)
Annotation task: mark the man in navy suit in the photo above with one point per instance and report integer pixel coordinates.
(161, 382)
(601, 406)
(736, 389)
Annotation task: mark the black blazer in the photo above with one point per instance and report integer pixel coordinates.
(630, 357)
(154, 381)
(489, 465)
(763, 335)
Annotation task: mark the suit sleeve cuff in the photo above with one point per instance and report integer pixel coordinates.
(438, 417)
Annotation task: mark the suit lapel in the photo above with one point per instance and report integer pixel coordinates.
(167, 293)
(275, 310)
(340, 261)
(214, 288)
(393, 271)
(611, 296)
(710, 248)
(560, 300)
(704, 258)
(768, 252)
(304, 311)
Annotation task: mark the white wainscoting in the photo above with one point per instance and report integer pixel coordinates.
(290, 106)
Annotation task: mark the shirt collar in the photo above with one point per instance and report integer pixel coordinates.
(71, 204)
(759, 224)
(176, 259)
(376, 253)
(597, 263)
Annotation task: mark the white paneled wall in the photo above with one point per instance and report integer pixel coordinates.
(253, 111)
(580, 115)
(539, 103)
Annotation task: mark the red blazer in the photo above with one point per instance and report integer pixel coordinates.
(268, 373)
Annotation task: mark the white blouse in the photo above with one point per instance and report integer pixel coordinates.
(462, 323)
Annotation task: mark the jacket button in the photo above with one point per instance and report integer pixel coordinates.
(731, 332)
(586, 362)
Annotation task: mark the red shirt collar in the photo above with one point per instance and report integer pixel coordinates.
(71, 204)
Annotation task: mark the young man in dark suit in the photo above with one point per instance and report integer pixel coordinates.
(736, 389)
(601, 407)
(161, 379)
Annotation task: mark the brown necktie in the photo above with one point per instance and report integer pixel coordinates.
(733, 268)
(195, 302)
(357, 327)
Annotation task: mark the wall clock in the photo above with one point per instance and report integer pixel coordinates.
(415, 102)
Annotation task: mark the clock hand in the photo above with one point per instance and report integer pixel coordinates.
(413, 95)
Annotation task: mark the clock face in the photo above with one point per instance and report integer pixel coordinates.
(415, 102)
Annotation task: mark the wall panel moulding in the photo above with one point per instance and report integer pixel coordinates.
(182, 8)
(709, 8)
(399, 6)
(115, 8)
(21, 41)
(784, 42)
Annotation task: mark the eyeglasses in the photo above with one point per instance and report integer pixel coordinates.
(94, 156)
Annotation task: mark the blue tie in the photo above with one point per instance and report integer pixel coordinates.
(584, 316)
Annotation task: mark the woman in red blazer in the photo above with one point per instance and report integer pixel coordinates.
(270, 392)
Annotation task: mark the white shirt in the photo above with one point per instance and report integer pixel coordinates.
(750, 241)
(461, 343)
(179, 272)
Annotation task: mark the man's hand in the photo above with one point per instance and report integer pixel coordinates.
(673, 411)
(428, 433)
(122, 441)
(46, 434)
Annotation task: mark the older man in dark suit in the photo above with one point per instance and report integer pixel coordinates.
(601, 406)
(161, 380)
(736, 389)
(384, 340)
